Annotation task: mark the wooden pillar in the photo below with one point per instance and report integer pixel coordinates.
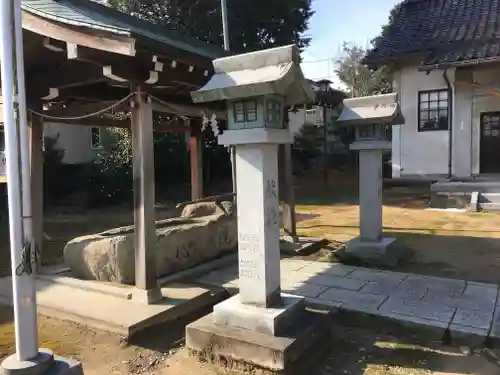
(144, 196)
(287, 190)
(196, 157)
(36, 164)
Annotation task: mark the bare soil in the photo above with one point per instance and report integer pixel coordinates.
(463, 245)
(161, 352)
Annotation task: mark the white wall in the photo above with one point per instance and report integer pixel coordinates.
(414, 153)
(75, 140)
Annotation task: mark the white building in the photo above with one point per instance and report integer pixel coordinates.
(449, 89)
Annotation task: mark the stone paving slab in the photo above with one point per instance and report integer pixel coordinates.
(468, 311)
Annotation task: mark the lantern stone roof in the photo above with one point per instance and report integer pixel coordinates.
(274, 71)
(378, 109)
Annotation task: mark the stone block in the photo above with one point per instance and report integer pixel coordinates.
(386, 287)
(436, 285)
(271, 321)
(481, 292)
(294, 352)
(377, 276)
(353, 300)
(419, 309)
(331, 269)
(336, 282)
(383, 252)
(181, 243)
(473, 298)
(303, 289)
(495, 326)
(475, 319)
(432, 330)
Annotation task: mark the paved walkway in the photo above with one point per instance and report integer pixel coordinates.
(467, 311)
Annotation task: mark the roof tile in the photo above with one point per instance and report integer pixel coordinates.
(443, 31)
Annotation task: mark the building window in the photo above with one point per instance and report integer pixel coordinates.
(273, 112)
(95, 137)
(433, 110)
(245, 111)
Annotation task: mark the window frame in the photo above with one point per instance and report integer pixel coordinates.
(438, 109)
(99, 147)
(246, 107)
(275, 112)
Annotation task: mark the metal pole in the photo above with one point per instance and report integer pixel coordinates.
(24, 298)
(325, 147)
(225, 26)
(225, 30)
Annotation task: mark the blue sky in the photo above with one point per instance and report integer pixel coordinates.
(337, 21)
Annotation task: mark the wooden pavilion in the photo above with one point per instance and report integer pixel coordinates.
(82, 57)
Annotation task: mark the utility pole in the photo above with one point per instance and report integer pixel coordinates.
(225, 26)
(225, 31)
(18, 180)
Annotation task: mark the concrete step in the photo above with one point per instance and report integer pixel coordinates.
(489, 198)
(465, 187)
(489, 207)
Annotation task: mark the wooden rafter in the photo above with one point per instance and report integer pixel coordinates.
(121, 45)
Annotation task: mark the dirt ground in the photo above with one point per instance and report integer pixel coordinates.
(462, 245)
(353, 351)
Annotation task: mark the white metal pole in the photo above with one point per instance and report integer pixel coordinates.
(23, 284)
(225, 26)
(225, 30)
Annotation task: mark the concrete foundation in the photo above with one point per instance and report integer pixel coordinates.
(293, 352)
(382, 252)
(271, 321)
(44, 364)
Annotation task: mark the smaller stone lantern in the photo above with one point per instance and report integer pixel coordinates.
(370, 116)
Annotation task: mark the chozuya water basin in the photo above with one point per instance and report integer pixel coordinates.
(202, 232)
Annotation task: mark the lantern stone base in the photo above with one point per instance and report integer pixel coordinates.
(271, 321)
(383, 252)
(292, 351)
(44, 364)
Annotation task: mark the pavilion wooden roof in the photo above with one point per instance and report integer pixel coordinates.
(80, 55)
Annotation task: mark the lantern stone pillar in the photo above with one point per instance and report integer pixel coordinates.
(369, 116)
(254, 325)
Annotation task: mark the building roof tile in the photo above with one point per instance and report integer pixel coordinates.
(443, 32)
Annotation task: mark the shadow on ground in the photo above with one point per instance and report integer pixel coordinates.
(359, 351)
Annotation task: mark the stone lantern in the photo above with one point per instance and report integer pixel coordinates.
(370, 116)
(257, 87)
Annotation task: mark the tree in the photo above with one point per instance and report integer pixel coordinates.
(360, 79)
(253, 24)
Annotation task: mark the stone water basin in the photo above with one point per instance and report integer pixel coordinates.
(202, 232)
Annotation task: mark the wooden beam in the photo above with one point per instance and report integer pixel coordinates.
(36, 165)
(196, 158)
(122, 45)
(144, 195)
(116, 68)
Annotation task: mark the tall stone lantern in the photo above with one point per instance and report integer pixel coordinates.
(370, 116)
(257, 88)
